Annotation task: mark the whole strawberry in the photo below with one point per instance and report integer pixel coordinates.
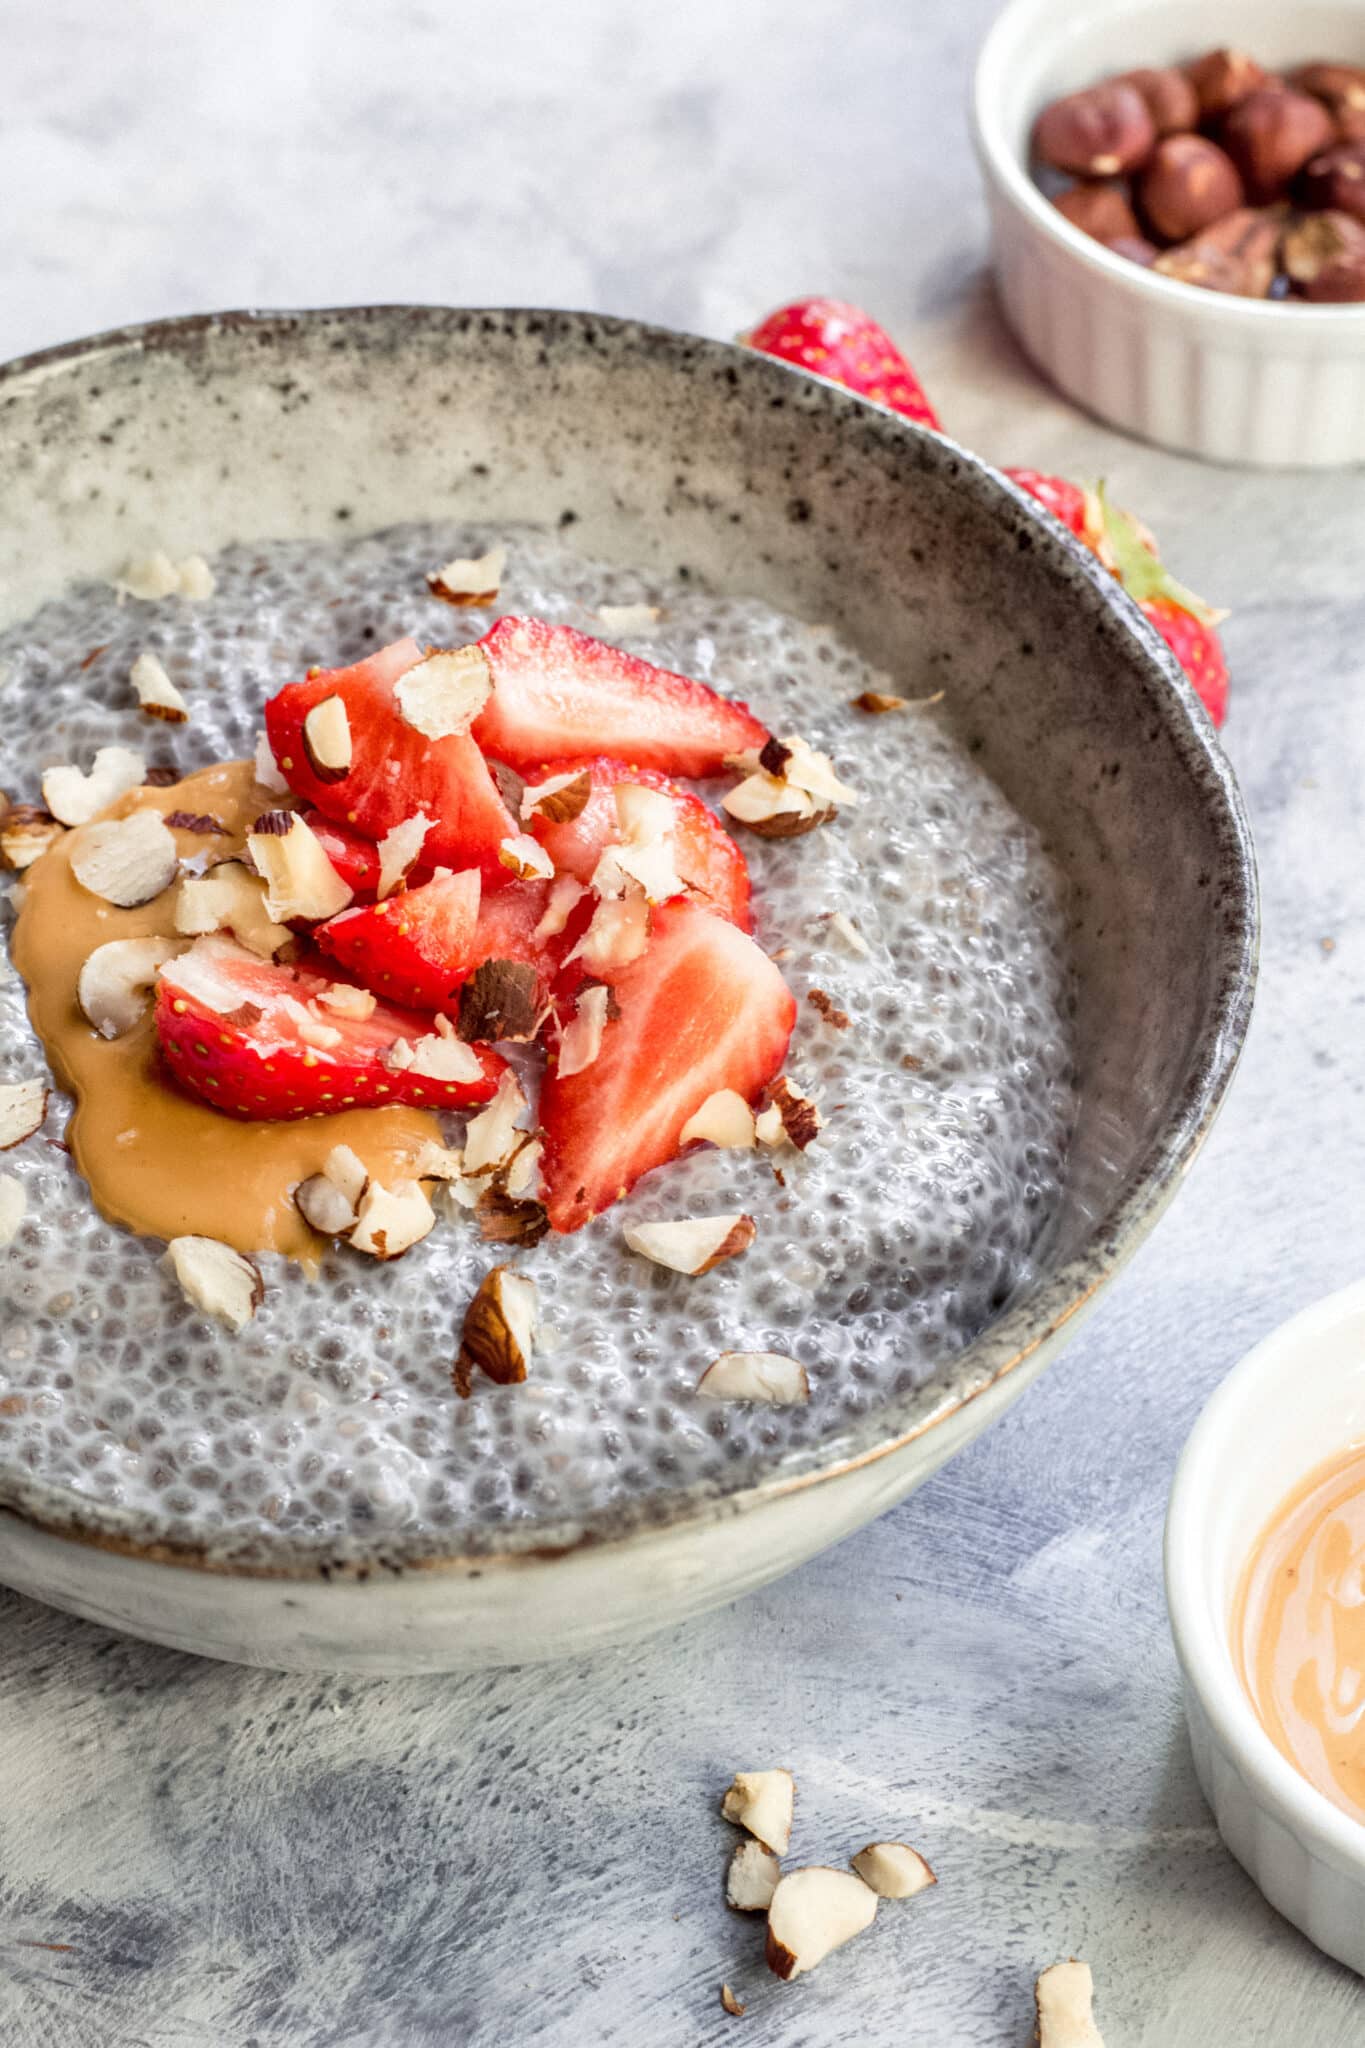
(1067, 501)
(1124, 545)
(836, 340)
(1184, 621)
(1196, 646)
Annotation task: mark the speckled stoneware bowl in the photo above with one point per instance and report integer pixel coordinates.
(663, 450)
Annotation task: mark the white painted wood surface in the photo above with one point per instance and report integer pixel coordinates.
(195, 1856)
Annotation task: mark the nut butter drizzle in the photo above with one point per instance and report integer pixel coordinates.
(156, 1161)
(1299, 1629)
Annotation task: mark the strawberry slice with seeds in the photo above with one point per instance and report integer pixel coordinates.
(706, 858)
(701, 1009)
(513, 926)
(557, 692)
(420, 947)
(415, 947)
(395, 770)
(836, 340)
(263, 1041)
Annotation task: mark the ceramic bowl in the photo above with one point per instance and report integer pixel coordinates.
(1236, 380)
(663, 449)
(1295, 1401)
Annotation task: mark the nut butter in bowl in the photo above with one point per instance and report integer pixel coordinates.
(1299, 1629)
(1177, 207)
(1265, 1584)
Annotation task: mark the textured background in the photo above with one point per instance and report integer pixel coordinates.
(193, 1856)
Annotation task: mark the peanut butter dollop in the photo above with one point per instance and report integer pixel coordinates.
(157, 1160)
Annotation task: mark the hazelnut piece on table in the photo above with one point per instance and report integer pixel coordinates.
(1099, 133)
(1099, 210)
(1325, 255)
(1271, 134)
(1341, 88)
(1221, 78)
(1238, 254)
(1336, 179)
(1171, 99)
(1189, 183)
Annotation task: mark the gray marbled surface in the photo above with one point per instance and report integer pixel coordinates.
(194, 1856)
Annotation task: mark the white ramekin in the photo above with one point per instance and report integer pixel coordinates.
(1236, 380)
(1296, 1400)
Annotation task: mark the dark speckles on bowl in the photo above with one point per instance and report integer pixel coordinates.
(667, 451)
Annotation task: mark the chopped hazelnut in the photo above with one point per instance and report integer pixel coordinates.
(128, 860)
(762, 1803)
(692, 1244)
(469, 580)
(327, 740)
(116, 979)
(23, 1105)
(214, 1277)
(76, 798)
(443, 695)
(813, 1912)
(752, 1878)
(156, 693)
(399, 849)
(26, 831)
(300, 880)
(764, 1376)
(498, 1335)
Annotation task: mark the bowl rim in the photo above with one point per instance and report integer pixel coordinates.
(1011, 175)
(1027, 1326)
(1203, 1648)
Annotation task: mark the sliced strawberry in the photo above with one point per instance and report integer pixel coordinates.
(704, 854)
(1185, 622)
(421, 946)
(702, 1008)
(252, 1038)
(1197, 647)
(840, 341)
(1065, 500)
(1124, 545)
(509, 921)
(355, 858)
(416, 947)
(395, 770)
(556, 692)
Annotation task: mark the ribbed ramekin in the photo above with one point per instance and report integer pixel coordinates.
(1295, 1401)
(1235, 380)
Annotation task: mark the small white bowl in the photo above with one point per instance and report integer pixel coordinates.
(1236, 380)
(1295, 1401)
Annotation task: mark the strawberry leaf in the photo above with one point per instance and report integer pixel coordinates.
(1142, 573)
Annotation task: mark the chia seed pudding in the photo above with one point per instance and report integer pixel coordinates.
(924, 937)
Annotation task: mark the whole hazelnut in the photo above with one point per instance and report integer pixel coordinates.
(1335, 179)
(1238, 254)
(1099, 210)
(1325, 255)
(1341, 88)
(1136, 248)
(1271, 134)
(1171, 100)
(1221, 78)
(1099, 133)
(1189, 182)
